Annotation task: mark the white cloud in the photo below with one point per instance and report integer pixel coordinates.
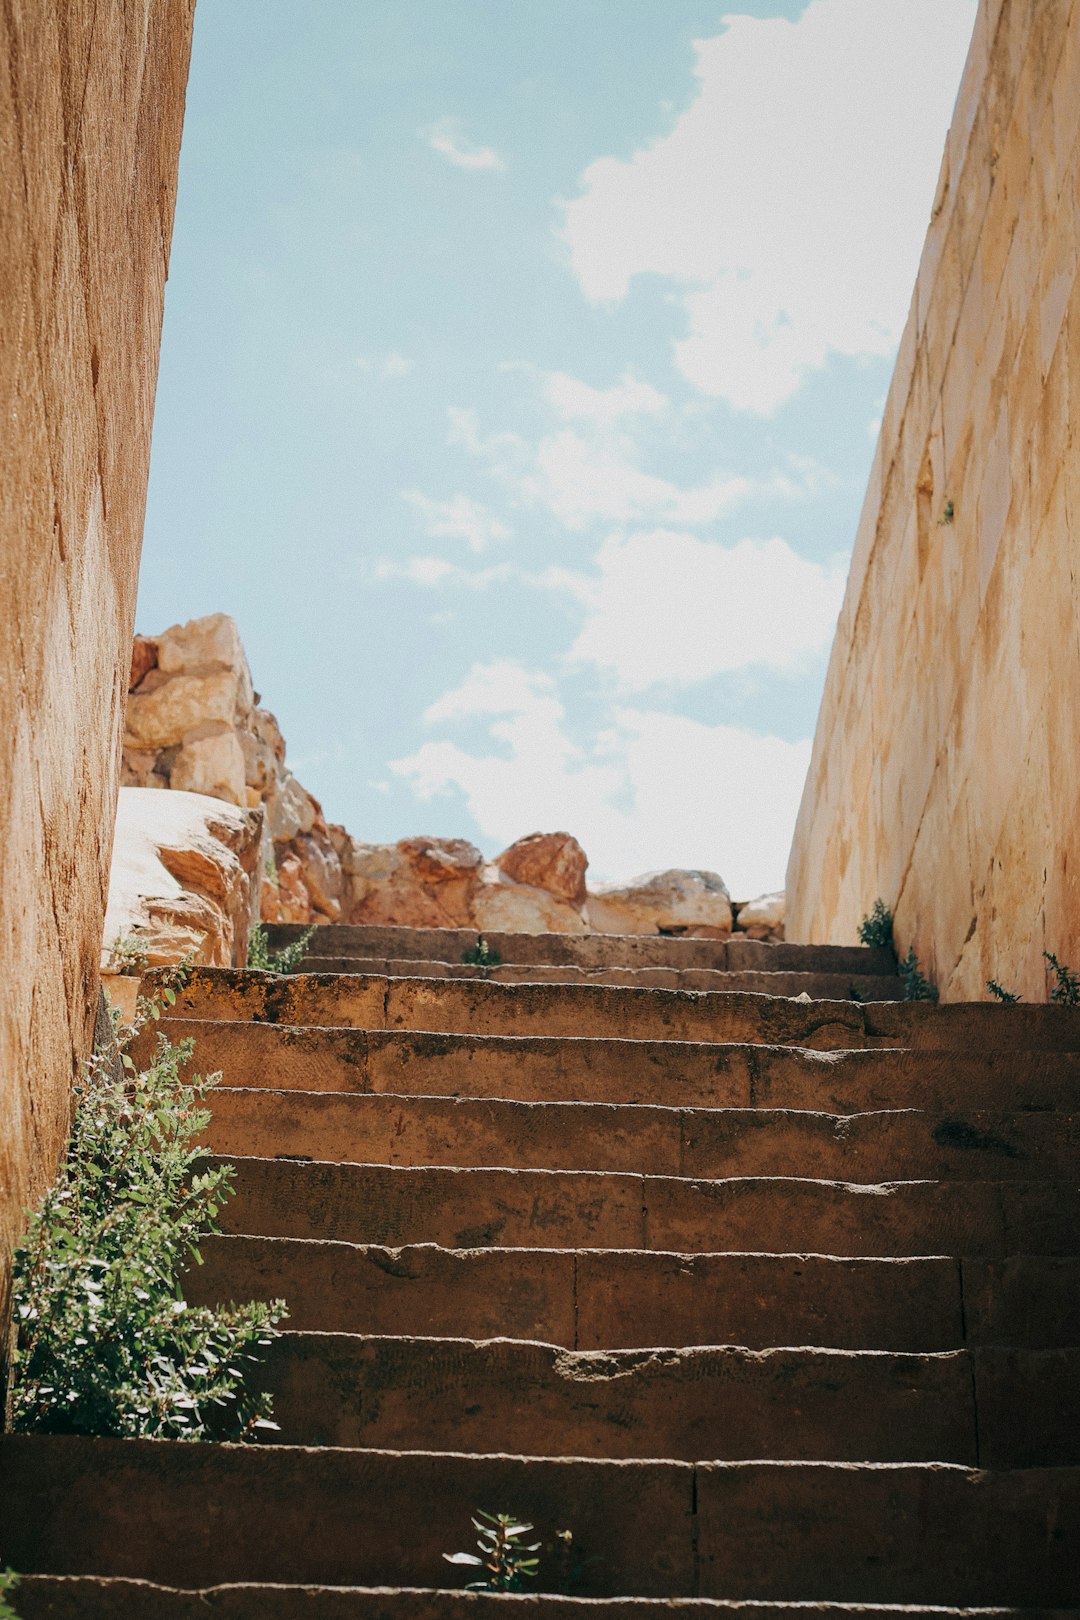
(592, 473)
(671, 607)
(790, 201)
(458, 519)
(418, 570)
(577, 400)
(446, 138)
(652, 790)
(388, 367)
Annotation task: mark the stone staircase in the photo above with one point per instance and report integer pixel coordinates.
(773, 1304)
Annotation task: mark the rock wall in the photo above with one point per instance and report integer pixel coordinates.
(194, 722)
(945, 774)
(91, 105)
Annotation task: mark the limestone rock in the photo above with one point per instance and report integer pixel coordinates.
(416, 883)
(552, 861)
(675, 902)
(212, 765)
(184, 879)
(762, 918)
(161, 714)
(501, 906)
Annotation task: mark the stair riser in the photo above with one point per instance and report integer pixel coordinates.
(662, 1142)
(478, 1008)
(707, 1404)
(670, 1074)
(598, 1300)
(588, 950)
(823, 986)
(521, 1208)
(475, 1007)
(886, 1534)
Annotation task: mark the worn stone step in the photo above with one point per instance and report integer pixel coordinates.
(465, 1209)
(822, 986)
(468, 1132)
(586, 950)
(198, 1515)
(400, 1394)
(88, 1597)
(605, 1299)
(600, 1299)
(473, 1006)
(672, 1074)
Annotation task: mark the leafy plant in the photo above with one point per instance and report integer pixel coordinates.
(127, 954)
(8, 1582)
(917, 986)
(947, 515)
(481, 955)
(1066, 986)
(877, 929)
(263, 959)
(106, 1343)
(999, 992)
(504, 1555)
(271, 872)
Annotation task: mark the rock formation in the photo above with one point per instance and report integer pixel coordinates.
(194, 723)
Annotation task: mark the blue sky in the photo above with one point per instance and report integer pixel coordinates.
(518, 389)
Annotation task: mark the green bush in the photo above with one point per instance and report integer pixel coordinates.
(504, 1557)
(106, 1343)
(262, 958)
(8, 1582)
(481, 955)
(1066, 985)
(917, 986)
(877, 929)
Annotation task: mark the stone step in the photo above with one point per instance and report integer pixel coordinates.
(821, 986)
(198, 1515)
(88, 1597)
(605, 1299)
(451, 945)
(568, 1209)
(894, 1145)
(475, 1007)
(671, 1074)
(994, 1408)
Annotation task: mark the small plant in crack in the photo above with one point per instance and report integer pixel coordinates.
(917, 986)
(8, 1582)
(504, 1556)
(481, 955)
(999, 992)
(1065, 988)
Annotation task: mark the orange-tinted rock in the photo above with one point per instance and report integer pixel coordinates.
(144, 656)
(552, 861)
(675, 902)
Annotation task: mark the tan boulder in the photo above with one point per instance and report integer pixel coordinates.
(291, 809)
(184, 879)
(212, 765)
(500, 905)
(416, 883)
(762, 918)
(552, 861)
(673, 902)
(163, 713)
(293, 897)
(322, 872)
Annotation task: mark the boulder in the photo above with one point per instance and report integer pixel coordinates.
(501, 906)
(416, 883)
(552, 861)
(762, 918)
(185, 878)
(675, 902)
(212, 765)
(162, 713)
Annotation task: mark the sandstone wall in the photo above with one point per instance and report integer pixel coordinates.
(946, 773)
(91, 102)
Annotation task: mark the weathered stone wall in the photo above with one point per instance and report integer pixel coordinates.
(946, 773)
(91, 103)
